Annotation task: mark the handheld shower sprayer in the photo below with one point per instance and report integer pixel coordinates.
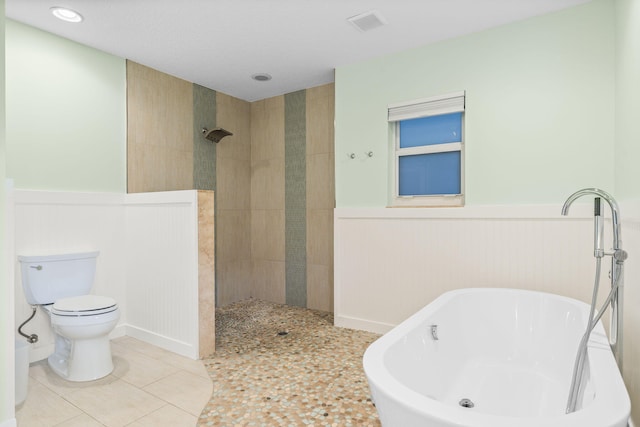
(615, 210)
(615, 297)
(598, 229)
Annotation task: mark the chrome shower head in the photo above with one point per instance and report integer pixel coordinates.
(216, 134)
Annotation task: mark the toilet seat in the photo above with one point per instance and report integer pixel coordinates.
(85, 305)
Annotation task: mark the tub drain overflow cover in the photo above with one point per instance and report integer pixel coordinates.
(466, 403)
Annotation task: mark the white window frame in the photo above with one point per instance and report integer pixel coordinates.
(425, 107)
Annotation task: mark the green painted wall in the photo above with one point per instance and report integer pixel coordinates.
(66, 113)
(540, 109)
(6, 288)
(627, 174)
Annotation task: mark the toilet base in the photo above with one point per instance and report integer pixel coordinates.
(82, 360)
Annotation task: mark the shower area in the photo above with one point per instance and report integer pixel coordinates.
(270, 165)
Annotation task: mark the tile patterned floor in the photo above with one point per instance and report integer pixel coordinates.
(310, 376)
(148, 387)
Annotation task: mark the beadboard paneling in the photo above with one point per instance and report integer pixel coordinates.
(51, 222)
(391, 262)
(148, 259)
(162, 269)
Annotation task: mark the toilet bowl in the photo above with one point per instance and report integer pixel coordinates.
(59, 284)
(82, 326)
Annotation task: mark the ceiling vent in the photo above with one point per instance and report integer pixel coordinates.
(367, 21)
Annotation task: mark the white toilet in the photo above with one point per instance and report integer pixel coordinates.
(60, 284)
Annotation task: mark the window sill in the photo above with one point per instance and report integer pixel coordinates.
(428, 202)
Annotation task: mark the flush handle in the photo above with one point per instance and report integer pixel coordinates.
(37, 267)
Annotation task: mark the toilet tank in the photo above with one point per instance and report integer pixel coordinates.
(48, 278)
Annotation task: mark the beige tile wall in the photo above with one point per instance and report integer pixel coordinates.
(320, 197)
(250, 180)
(233, 198)
(159, 131)
(206, 273)
(267, 199)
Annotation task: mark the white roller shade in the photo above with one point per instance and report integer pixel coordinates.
(434, 106)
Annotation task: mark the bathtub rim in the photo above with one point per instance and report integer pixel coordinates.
(601, 411)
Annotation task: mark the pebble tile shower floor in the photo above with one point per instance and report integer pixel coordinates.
(310, 376)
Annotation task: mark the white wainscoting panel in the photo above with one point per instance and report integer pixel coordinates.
(630, 213)
(147, 262)
(389, 263)
(162, 269)
(51, 222)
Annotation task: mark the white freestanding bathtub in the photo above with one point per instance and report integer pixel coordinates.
(508, 353)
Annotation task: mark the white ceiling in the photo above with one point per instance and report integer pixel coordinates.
(221, 43)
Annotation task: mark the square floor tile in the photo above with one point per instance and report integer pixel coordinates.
(83, 420)
(42, 373)
(43, 407)
(185, 390)
(138, 369)
(116, 404)
(167, 416)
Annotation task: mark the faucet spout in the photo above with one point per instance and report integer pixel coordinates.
(615, 210)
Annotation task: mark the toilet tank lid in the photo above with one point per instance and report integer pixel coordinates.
(57, 257)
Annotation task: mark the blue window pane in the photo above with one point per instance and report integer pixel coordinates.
(429, 174)
(431, 130)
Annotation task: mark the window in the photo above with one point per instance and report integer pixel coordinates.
(429, 151)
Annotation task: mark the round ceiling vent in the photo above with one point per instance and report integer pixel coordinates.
(261, 77)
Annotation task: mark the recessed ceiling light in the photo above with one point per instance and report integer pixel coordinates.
(261, 77)
(66, 14)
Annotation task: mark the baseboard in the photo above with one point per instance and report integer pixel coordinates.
(362, 324)
(9, 423)
(170, 344)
